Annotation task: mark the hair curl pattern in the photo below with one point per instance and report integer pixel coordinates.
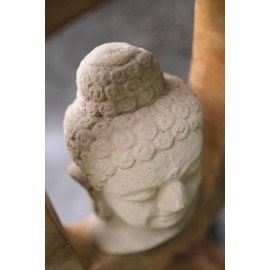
(113, 143)
(112, 90)
(125, 112)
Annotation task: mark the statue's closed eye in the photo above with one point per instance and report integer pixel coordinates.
(140, 196)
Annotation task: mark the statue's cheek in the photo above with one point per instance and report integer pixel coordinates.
(133, 213)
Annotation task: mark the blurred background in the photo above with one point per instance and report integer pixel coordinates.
(163, 27)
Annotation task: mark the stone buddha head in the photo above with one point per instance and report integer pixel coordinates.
(134, 134)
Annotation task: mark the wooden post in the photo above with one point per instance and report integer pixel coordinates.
(207, 79)
(59, 254)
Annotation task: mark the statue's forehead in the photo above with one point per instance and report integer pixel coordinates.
(156, 171)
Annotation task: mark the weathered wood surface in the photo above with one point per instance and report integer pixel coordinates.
(207, 78)
(59, 254)
(204, 255)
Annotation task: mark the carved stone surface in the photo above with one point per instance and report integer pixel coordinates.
(135, 136)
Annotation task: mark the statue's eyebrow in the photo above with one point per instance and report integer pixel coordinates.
(134, 192)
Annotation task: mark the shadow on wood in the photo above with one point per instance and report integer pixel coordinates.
(60, 12)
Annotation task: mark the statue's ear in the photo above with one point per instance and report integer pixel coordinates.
(100, 205)
(77, 174)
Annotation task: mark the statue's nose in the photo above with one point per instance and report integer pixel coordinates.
(172, 197)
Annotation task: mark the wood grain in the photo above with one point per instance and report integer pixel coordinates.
(59, 254)
(202, 256)
(207, 78)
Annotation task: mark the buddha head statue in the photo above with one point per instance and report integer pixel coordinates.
(134, 134)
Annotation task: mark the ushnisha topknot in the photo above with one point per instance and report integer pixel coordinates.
(126, 111)
(116, 78)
